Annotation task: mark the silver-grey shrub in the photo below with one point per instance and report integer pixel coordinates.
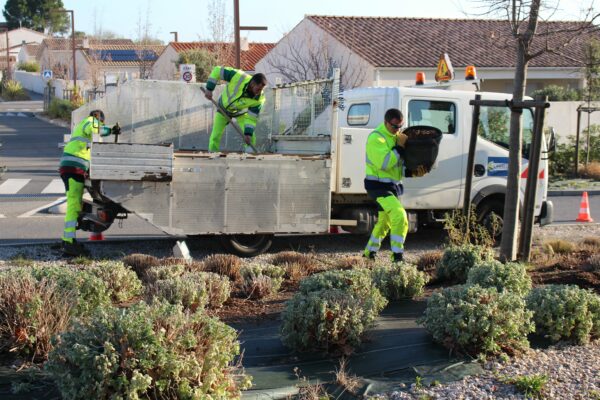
(458, 260)
(153, 351)
(357, 282)
(330, 320)
(122, 282)
(261, 280)
(565, 312)
(476, 320)
(511, 276)
(399, 280)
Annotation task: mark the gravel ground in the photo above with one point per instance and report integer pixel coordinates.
(573, 373)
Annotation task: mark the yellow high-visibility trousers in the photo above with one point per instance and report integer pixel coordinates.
(74, 191)
(392, 218)
(219, 125)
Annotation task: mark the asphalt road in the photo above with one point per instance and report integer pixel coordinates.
(30, 184)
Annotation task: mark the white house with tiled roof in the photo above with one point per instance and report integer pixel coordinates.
(165, 68)
(388, 51)
(17, 39)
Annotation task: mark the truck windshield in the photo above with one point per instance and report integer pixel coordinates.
(494, 125)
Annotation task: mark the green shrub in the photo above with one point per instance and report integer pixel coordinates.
(148, 351)
(565, 312)
(261, 280)
(188, 290)
(13, 90)
(29, 66)
(357, 282)
(162, 272)
(218, 288)
(399, 281)
(60, 109)
(458, 260)
(122, 282)
(31, 312)
(91, 292)
(477, 320)
(531, 386)
(329, 320)
(510, 277)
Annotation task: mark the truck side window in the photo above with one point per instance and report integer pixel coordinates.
(359, 114)
(494, 125)
(440, 114)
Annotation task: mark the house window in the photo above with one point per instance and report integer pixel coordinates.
(359, 114)
(439, 114)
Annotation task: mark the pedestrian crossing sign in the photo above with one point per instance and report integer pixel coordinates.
(444, 72)
(47, 74)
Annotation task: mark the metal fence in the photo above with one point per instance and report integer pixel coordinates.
(176, 112)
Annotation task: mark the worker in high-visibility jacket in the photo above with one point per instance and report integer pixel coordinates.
(74, 167)
(383, 182)
(242, 99)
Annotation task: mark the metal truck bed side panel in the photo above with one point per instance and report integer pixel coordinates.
(232, 194)
(131, 162)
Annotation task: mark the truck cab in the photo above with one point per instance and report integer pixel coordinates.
(427, 198)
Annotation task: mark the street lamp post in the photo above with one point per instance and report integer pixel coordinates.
(73, 45)
(238, 28)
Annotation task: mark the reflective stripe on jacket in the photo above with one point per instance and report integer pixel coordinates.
(77, 151)
(234, 99)
(383, 162)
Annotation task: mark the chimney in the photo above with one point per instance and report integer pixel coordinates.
(244, 46)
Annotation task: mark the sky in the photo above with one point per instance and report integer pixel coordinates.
(190, 17)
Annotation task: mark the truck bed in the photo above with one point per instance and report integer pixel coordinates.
(195, 192)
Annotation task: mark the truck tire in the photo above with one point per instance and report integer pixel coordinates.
(486, 211)
(247, 245)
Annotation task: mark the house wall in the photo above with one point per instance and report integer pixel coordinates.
(164, 67)
(34, 82)
(306, 40)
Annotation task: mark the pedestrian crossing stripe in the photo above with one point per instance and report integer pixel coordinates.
(21, 114)
(12, 186)
(56, 186)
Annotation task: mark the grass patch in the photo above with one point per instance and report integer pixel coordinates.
(532, 386)
(560, 246)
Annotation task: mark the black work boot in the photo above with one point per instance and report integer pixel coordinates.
(398, 257)
(74, 249)
(371, 255)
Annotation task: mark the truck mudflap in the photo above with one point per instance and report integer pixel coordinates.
(547, 213)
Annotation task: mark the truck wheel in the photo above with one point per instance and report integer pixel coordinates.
(247, 245)
(489, 214)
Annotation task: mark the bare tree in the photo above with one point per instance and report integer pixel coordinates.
(529, 42)
(145, 41)
(221, 32)
(315, 58)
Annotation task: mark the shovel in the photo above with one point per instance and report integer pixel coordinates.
(235, 125)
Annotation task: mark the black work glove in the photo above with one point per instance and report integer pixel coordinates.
(116, 130)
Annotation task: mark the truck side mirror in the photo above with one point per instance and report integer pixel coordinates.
(552, 141)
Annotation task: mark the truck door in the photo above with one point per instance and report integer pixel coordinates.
(441, 188)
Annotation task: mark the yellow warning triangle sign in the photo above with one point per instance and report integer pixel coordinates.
(444, 72)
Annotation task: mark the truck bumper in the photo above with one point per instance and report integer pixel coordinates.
(547, 214)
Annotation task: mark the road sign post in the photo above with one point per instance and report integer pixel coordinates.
(47, 74)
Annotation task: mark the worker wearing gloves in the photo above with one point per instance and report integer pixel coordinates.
(383, 182)
(74, 167)
(241, 99)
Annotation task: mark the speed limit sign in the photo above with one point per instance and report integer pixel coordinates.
(188, 72)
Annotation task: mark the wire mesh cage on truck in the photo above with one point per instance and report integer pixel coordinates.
(161, 171)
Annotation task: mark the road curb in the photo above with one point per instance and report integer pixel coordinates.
(57, 122)
(572, 192)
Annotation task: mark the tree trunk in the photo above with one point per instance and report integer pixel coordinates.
(508, 245)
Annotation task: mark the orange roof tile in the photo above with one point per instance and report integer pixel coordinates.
(419, 42)
(248, 58)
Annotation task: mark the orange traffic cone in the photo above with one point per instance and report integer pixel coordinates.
(584, 209)
(96, 236)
